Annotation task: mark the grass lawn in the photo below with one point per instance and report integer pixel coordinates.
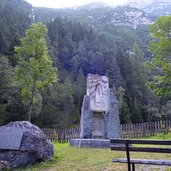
(67, 158)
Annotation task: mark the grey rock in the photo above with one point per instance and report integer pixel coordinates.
(4, 165)
(34, 146)
(128, 16)
(86, 119)
(113, 129)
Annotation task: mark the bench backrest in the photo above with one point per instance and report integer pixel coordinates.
(128, 145)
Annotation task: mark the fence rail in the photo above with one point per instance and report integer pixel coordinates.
(136, 130)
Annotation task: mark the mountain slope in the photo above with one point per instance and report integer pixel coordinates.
(127, 16)
(154, 8)
(95, 15)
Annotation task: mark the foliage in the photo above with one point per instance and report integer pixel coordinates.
(160, 47)
(34, 69)
(13, 23)
(6, 84)
(77, 45)
(133, 75)
(161, 136)
(125, 115)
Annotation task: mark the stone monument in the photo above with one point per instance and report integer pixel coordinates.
(99, 114)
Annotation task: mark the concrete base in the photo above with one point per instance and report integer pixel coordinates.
(90, 143)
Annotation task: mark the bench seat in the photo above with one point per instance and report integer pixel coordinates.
(158, 146)
(144, 161)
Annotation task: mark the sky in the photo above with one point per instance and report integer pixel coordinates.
(70, 3)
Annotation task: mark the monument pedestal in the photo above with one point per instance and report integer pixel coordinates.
(90, 143)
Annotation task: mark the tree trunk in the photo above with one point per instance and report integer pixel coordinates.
(31, 103)
(30, 111)
(149, 109)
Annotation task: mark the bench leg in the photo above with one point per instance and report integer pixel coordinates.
(129, 166)
(133, 166)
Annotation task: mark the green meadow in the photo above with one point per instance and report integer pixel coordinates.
(67, 158)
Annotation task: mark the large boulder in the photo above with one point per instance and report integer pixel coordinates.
(34, 146)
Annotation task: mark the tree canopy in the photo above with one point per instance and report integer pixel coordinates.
(160, 65)
(34, 69)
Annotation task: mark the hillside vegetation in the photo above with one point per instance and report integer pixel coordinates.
(80, 41)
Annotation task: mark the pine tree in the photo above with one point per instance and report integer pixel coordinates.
(6, 74)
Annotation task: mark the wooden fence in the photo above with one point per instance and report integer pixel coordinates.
(146, 129)
(61, 135)
(136, 130)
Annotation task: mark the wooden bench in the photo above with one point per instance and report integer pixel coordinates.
(129, 146)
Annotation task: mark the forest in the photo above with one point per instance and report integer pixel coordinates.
(77, 48)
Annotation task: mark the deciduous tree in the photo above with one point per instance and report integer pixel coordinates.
(160, 64)
(34, 69)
